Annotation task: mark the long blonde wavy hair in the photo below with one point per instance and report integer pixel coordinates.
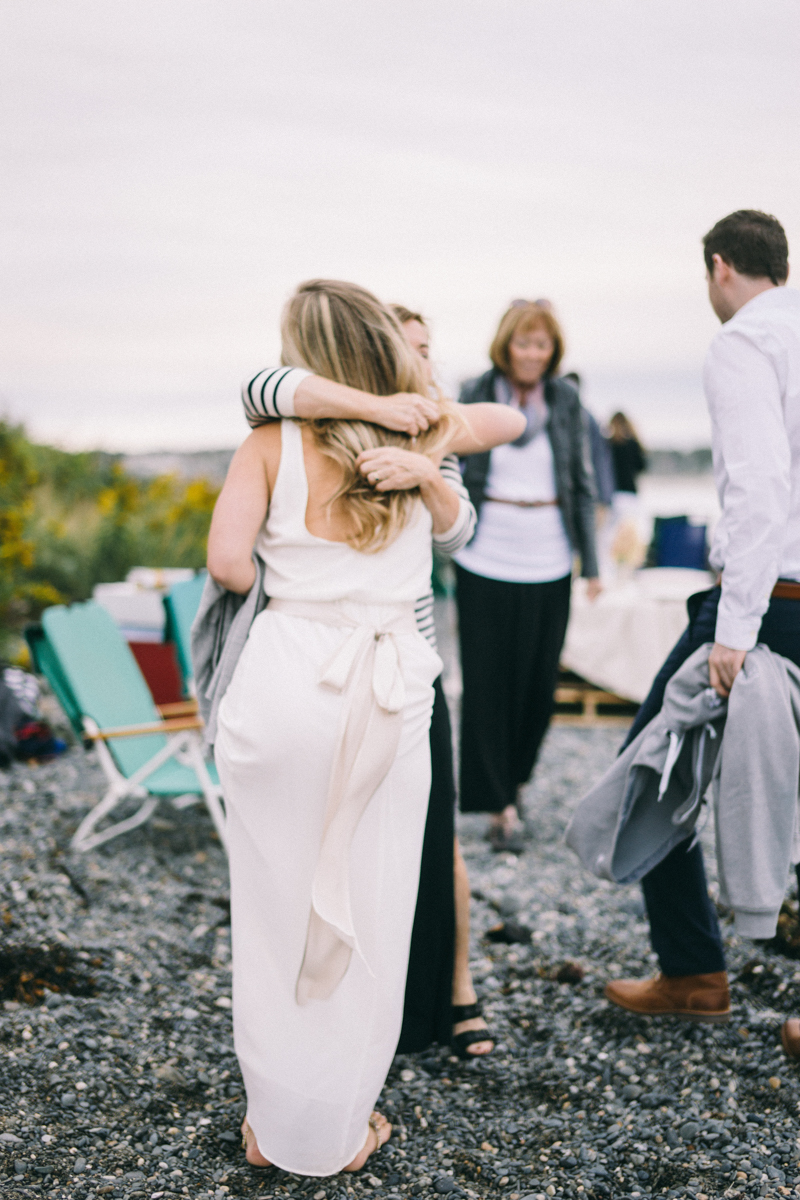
(342, 332)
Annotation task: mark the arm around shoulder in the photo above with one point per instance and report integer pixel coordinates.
(486, 425)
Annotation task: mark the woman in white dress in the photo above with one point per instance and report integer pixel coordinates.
(322, 744)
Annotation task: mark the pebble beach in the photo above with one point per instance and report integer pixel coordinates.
(124, 1084)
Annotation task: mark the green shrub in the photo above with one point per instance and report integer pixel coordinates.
(69, 521)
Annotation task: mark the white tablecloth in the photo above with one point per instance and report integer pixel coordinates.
(620, 641)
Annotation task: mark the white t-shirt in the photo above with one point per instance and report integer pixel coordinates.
(520, 545)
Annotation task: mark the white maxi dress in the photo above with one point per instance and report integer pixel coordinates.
(323, 754)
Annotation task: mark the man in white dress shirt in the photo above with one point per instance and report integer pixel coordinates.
(752, 385)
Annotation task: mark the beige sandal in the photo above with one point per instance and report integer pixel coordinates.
(376, 1129)
(377, 1123)
(246, 1134)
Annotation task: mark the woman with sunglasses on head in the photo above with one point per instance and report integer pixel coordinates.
(535, 504)
(440, 1000)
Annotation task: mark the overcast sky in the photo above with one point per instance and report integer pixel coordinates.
(172, 170)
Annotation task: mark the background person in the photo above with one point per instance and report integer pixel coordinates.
(627, 456)
(624, 528)
(440, 999)
(602, 465)
(752, 385)
(536, 509)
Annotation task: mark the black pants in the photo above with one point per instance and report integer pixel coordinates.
(683, 923)
(511, 636)
(429, 982)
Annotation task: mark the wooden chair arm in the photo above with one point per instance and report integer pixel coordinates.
(181, 708)
(173, 726)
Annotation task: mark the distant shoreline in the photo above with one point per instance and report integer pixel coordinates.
(213, 464)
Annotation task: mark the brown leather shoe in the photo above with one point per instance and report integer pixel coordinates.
(790, 1036)
(693, 997)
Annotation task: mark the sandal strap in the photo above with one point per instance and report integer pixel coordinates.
(376, 1129)
(466, 1012)
(461, 1042)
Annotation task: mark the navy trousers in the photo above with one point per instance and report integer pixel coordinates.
(684, 930)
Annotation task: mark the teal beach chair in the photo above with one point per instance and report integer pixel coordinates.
(181, 603)
(98, 683)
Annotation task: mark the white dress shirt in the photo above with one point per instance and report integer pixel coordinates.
(752, 384)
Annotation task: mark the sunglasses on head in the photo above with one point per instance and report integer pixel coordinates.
(545, 304)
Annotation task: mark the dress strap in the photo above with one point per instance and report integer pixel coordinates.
(290, 496)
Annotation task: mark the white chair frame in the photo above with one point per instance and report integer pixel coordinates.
(185, 747)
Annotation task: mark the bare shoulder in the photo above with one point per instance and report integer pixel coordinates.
(264, 445)
(266, 439)
(257, 458)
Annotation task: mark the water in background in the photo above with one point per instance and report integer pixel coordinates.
(668, 409)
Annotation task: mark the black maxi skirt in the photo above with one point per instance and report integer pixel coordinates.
(510, 636)
(426, 1014)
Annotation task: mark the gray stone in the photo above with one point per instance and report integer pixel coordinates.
(119, 1035)
(631, 1091)
(79, 1166)
(68, 1099)
(689, 1130)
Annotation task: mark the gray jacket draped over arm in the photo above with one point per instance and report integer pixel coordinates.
(747, 750)
(219, 632)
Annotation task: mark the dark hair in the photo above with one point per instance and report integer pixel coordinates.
(621, 429)
(751, 242)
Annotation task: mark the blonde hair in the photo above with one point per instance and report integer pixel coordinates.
(342, 332)
(522, 317)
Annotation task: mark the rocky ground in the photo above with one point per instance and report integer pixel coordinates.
(124, 1083)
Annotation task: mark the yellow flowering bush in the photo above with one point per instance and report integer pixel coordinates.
(69, 521)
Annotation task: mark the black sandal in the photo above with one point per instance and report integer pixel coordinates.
(507, 841)
(461, 1042)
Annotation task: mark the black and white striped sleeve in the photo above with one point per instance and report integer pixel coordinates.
(463, 527)
(269, 396)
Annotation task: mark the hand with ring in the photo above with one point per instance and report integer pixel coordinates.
(390, 469)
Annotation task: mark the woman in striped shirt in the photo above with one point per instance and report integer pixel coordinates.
(440, 1001)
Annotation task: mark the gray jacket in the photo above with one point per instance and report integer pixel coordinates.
(219, 632)
(573, 469)
(748, 749)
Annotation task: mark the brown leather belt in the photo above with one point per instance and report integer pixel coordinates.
(526, 503)
(786, 589)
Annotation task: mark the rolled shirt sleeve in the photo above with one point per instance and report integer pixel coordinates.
(269, 395)
(752, 461)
